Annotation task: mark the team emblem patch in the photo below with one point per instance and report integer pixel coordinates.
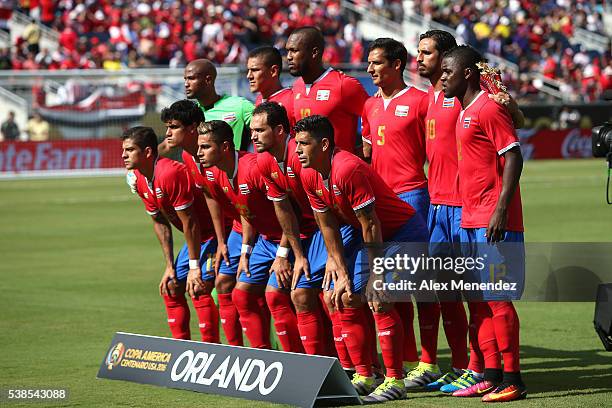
(290, 172)
(159, 193)
(274, 175)
(320, 193)
(244, 189)
(402, 110)
(229, 117)
(336, 190)
(323, 95)
(466, 122)
(448, 102)
(210, 176)
(225, 189)
(146, 195)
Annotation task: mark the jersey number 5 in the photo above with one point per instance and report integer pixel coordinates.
(381, 134)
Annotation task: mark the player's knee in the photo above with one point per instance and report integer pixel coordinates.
(304, 300)
(224, 283)
(327, 299)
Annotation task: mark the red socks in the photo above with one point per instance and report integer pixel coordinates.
(355, 334)
(230, 319)
(178, 316)
(310, 325)
(456, 329)
(476, 359)
(208, 318)
(285, 321)
(406, 313)
(486, 336)
(506, 325)
(429, 320)
(390, 335)
(254, 319)
(341, 349)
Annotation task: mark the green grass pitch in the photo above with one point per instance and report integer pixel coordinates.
(80, 261)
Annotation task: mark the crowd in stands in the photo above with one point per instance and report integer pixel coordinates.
(535, 35)
(113, 34)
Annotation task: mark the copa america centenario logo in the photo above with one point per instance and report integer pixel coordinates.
(115, 355)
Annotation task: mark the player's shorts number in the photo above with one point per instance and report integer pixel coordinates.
(431, 128)
(304, 112)
(381, 134)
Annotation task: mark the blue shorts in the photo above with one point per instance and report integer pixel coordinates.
(315, 250)
(444, 225)
(234, 247)
(504, 261)
(208, 250)
(414, 231)
(260, 262)
(418, 199)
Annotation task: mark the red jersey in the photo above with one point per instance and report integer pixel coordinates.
(337, 96)
(351, 186)
(197, 172)
(484, 133)
(441, 146)
(172, 190)
(246, 191)
(283, 97)
(396, 130)
(283, 180)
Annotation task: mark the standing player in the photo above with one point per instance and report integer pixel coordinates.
(445, 210)
(394, 136)
(237, 176)
(168, 194)
(200, 76)
(342, 188)
(489, 164)
(264, 66)
(320, 91)
(182, 119)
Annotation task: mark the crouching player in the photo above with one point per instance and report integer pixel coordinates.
(167, 192)
(343, 189)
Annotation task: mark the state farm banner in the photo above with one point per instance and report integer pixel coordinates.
(95, 154)
(556, 144)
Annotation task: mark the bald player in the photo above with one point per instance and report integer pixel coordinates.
(200, 76)
(326, 92)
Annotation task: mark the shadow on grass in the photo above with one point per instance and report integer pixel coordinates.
(565, 370)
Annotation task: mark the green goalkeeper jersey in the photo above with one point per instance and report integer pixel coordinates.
(236, 111)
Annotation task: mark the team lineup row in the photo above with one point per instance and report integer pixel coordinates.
(283, 222)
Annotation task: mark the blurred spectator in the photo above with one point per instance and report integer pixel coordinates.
(9, 129)
(37, 128)
(31, 35)
(569, 118)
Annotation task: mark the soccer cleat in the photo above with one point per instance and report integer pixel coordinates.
(350, 372)
(421, 375)
(362, 384)
(446, 379)
(506, 392)
(467, 379)
(391, 389)
(476, 390)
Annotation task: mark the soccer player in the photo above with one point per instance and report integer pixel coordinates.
(489, 163)
(200, 76)
(264, 66)
(167, 192)
(281, 169)
(182, 119)
(342, 188)
(394, 136)
(241, 184)
(444, 217)
(320, 91)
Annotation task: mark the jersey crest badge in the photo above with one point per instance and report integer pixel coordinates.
(320, 193)
(225, 189)
(323, 95)
(274, 175)
(466, 122)
(448, 103)
(290, 172)
(402, 110)
(336, 190)
(210, 176)
(229, 117)
(244, 189)
(159, 193)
